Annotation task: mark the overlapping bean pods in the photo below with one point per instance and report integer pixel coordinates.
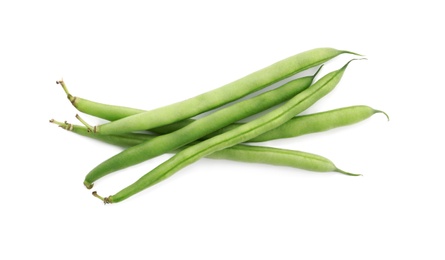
(197, 129)
(243, 133)
(217, 97)
(297, 126)
(219, 135)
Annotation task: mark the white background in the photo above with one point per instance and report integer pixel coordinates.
(147, 55)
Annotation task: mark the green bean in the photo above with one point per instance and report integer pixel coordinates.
(197, 129)
(279, 157)
(294, 127)
(220, 96)
(239, 152)
(299, 125)
(319, 122)
(104, 111)
(241, 134)
(123, 140)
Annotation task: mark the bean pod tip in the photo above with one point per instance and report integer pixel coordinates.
(383, 112)
(347, 173)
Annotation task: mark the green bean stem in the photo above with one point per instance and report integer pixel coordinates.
(241, 134)
(197, 129)
(104, 111)
(220, 96)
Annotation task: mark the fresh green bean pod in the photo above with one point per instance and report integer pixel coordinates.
(278, 157)
(239, 152)
(123, 140)
(197, 129)
(104, 111)
(220, 96)
(241, 134)
(319, 122)
(313, 123)
(297, 126)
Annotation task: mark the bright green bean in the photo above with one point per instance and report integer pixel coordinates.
(240, 153)
(294, 127)
(197, 129)
(241, 134)
(104, 111)
(299, 125)
(220, 96)
(123, 140)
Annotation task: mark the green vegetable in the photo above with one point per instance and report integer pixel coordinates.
(197, 129)
(241, 134)
(215, 98)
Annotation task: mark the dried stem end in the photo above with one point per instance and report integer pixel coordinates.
(105, 200)
(88, 185)
(70, 97)
(90, 128)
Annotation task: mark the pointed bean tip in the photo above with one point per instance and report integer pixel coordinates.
(351, 60)
(318, 70)
(382, 112)
(353, 53)
(347, 173)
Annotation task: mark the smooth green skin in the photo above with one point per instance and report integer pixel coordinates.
(319, 122)
(240, 153)
(104, 111)
(197, 129)
(294, 127)
(299, 125)
(241, 134)
(276, 156)
(220, 96)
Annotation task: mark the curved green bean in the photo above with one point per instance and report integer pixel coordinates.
(197, 129)
(239, 152)
(299, 125)
(241, 134)
(220, 96)
(294, 127)
(104, 111)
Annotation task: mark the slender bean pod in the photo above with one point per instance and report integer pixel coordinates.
(299, 125)
(220, 96)
(104, 111)
(123, 140)
(241, 134)
(294, 127)
(239, 152)
(197, 129)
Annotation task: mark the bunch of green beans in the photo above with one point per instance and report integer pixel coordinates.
(219, 135)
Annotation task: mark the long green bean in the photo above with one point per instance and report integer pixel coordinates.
(241, 134)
